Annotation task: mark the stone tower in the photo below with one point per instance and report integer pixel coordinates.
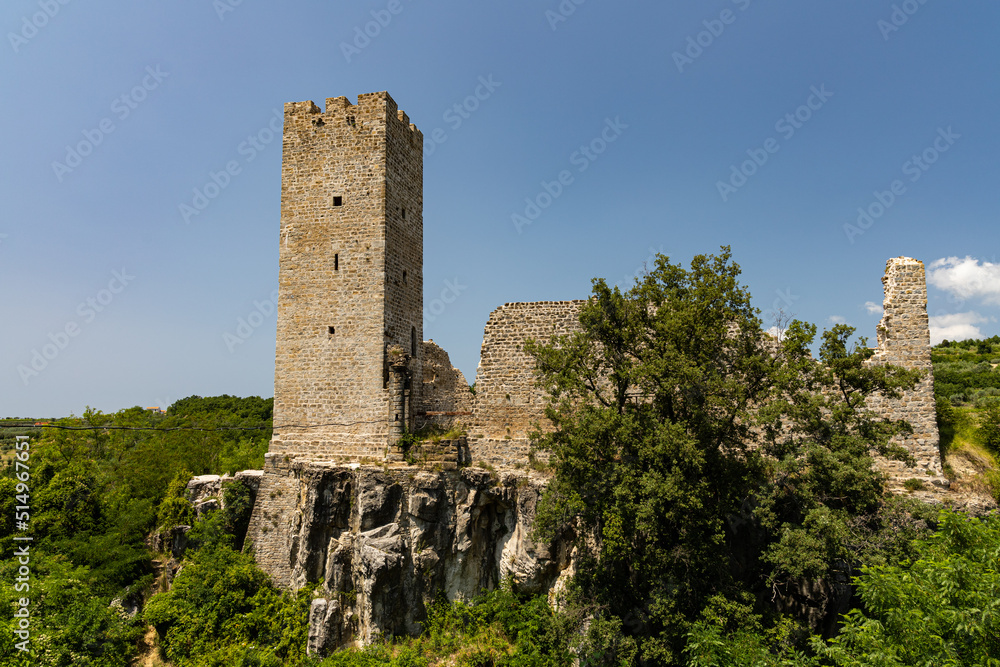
(350, 278)
(904, 340)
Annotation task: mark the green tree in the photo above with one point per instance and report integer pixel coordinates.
(942, 608)
(677, 422)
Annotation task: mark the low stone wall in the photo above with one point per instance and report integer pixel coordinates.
(435, 454)
(446, 400)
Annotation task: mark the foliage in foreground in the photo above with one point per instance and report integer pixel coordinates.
(499, 628)
(94, 493)
(943, 608)
(223, 610)
(964, 371)
(69, 623)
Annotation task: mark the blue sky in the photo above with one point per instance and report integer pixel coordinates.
(761, 125)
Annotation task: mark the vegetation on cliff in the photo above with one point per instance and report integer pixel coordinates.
(721, 486)
(714, 474)
(967, 396)
(95, 487)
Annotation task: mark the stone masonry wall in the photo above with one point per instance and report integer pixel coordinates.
(446, 399)
(904, 340)
(350, 273)
(351, 284)
(508, 402)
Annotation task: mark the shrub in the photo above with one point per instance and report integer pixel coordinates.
(940, 608)
(175, 510)
(221, 602)
(237, 507)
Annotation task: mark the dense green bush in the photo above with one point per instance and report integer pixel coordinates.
(221, 605)
(703, 460)
(97, 488)
(71, 623)
(497, 629)
(175, 509)
(963, 371)
(942, 608)
(989, 427)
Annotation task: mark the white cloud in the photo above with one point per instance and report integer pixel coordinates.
(966, 278)
(837, 319)
(956, 326)
(873, 308)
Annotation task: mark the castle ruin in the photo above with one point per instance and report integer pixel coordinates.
(352, 371)
(353, 374)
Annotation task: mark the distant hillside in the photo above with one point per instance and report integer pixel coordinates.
(966, 372)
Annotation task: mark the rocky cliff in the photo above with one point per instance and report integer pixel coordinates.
(385, 541)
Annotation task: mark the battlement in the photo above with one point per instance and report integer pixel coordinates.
(373, 111)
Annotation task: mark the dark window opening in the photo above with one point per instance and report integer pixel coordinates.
(413, 341)
(404, 214)
(336, 262)
(351, 121)
(404, 277)
(331, 330)
(318, 122)
(338, 201)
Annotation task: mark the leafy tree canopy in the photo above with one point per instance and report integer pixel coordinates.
(699, 457)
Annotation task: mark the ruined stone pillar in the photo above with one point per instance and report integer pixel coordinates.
(904, 340)
(398, 372)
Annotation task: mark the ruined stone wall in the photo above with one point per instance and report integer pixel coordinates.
(508, 402)
(273, 515)
(904, 340)
(446, 399)
(350, 273)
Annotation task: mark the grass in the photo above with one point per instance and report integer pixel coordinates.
(431, 433)
(974, 464)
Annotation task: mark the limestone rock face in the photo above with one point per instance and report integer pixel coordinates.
(386, 541)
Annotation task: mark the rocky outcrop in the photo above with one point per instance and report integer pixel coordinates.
(206, 493)
(385, 541)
